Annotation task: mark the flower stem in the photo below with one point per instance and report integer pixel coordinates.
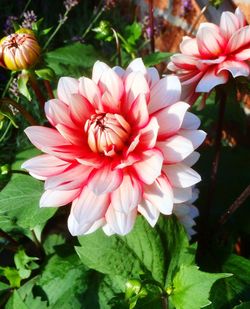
(6, 132)
(151, 24)
(236, 204)
(202, 12)
(7, 86)
(95, 18)
(118, 47)
(34, 85)
(164, 301)
(49, 89)
(21, 109)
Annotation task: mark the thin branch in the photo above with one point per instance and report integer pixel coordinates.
(21, 109)
(202, 12)
(100, 10)
(236, 204)
(151, 24)
(164, 301)
(49, 89)
(34, 85)
(118, 47)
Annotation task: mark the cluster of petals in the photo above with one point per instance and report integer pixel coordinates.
(216, 53)
(19, 50)
(121, 144)
(186, 213)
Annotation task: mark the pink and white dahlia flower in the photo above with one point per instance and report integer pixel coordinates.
(216, 53)
(118, 148)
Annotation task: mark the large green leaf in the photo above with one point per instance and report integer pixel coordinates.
(72, 60)
(156, 58)
(191, 287)
(19, 203)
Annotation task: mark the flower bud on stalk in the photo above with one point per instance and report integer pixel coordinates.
(19, 50)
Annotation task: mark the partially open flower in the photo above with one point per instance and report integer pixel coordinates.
(216, 54)
(121, 145)
(19, 50)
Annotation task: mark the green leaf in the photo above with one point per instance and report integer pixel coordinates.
(133, 33)
(19, 203)
(190, 282)
(45, 73)
(12, 275)
(156, 58)
(16, 302)
(243, 306)
(22, 85)
(24, 263)
(23, 156)
(72, 59)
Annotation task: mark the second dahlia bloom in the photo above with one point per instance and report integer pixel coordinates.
(121, 145)
(216, 53)
(19, 50)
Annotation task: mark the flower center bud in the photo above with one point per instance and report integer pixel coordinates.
(107, 133)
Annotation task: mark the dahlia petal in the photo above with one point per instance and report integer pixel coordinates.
(119, 222)
(105, 180)
(228, 24)
(242, 55)
(73, 178)
(111, 83)
(182, 195)
(90, 159)
(44, 166)
(240, 16)
(135, 84)
(66, 87)
(54, 198)
(57, 112)
(160, 195)
(209, 40)
(72, 136)
(152, 76)
(170, 118)
(148, 135)
(210, 79)
(80, 109)
(138, 114)
(127, 196)
(136, 65)
(189, 46)
(190, 122)
(164, 93)
(238, 40)
(177, 148)
(98, 69)
(90, 91)
(181, 176)
(87, 212)
(110, 104)
(119, 71)
(192, 159)
(149, 212)
(185, 62)
(236, 68)
(44, 138)
(149, 168)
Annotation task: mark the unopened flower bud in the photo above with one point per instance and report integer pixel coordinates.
(19, 50)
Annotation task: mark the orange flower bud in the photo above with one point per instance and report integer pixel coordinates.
(19, 50)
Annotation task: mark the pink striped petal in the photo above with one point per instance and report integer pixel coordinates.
(238, 40)
(80, 109)
(181, 176)
(127, 196)
(185, 62)
(136, 65)
(87, 212)
(209, 40)
(110, 82)
(66, 87)
(149, 168)
(73, 178)
(166, 92)
(229, 24)
(44, 166)
(177, 148)
(189, 46)
(98, 69)
(170, 119)
(119, 71)
(236, 68)
(149, 134)
(90, 91)
(73, 136)
(119, 222)
(160, 195)
(240, 16)
(53, 198)
(152, 77)
(210, 79)
(105, 180)
(190, 122)
(135, 84)
(182, 195)
(242, 55)
(57, 112)
(138, 115)
(149, 212)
